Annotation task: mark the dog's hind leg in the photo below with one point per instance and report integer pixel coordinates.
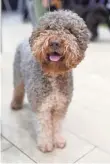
(18, 96)
(94, 34)
(92, 25)
(108, 22)
(18, 93)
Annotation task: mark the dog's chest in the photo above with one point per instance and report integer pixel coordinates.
(59, 96)
(56, 94)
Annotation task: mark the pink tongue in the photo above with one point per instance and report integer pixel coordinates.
(54, 58)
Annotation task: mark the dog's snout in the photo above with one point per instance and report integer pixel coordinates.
(54, 44)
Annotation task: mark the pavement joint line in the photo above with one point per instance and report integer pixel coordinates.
(84, 155)
(6, 148)
(86, 140)
(20, 149)
(80, 137)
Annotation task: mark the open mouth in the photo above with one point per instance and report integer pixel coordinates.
(54, 57)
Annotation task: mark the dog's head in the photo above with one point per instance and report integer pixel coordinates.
(60, 41)
(56, 4)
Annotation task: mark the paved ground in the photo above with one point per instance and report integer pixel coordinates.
(87, 125)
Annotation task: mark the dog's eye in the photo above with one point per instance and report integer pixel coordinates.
(70, 30)
(67, 31)
(47, 28)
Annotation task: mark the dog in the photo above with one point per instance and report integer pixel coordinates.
(98, 15)
(43, 68)
(93, 15)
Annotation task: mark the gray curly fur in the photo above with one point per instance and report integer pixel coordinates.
(27, 69)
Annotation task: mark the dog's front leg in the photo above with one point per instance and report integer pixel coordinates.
(44, 135)
(59, 140)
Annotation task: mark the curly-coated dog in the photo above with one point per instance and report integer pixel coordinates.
(43, 66)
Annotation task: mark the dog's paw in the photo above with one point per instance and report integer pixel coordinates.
(59, 141)
(45, 147)
(15, 105)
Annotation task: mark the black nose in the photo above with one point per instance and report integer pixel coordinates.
(54, 44)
